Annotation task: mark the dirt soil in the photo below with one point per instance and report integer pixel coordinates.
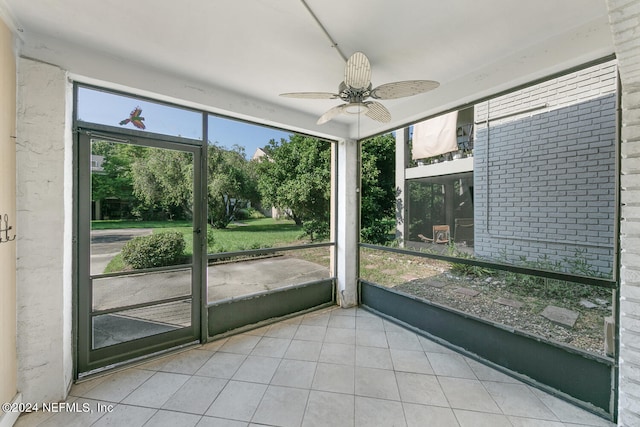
(435, 281)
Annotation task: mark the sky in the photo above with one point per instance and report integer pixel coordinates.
(229, 132)
(110, 109)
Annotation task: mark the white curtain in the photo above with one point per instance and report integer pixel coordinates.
(435, 136)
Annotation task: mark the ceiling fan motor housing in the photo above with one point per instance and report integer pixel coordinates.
(351, 95)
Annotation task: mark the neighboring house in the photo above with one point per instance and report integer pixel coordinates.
(260, 152)
(541, 182)
(96, 163)
(110, 207)
(546, 156)
(268, 212)
(440, 187)
(96, 167)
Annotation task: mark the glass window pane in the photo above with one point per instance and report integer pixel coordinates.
(440, 211)
(106, 108)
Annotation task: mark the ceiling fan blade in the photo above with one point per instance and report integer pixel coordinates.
(357, 73)
(331, 114)
(378, 112)
(310, 95)
(402, 89)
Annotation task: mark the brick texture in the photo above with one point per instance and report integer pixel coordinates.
(544, 180)
(624, 17)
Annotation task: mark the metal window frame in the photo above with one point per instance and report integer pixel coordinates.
(155, 344)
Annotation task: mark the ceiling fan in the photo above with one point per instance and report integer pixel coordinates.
(356, 89)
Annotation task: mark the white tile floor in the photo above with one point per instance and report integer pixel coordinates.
(332, 367)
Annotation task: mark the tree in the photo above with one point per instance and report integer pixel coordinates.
(378, 196)
(163, 181)
(115, 181)
(150, 182)
(231, 184)
(295, 176)
(159, 182)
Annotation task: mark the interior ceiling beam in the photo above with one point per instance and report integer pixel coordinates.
(334, 44)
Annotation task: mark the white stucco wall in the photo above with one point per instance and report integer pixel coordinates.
(44, 188)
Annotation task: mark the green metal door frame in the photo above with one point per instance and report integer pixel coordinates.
(89, 360)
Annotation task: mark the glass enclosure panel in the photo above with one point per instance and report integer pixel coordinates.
(545, 188)
(539, 188)
(257, 172)
(246, 275)
(111, 109)
(559, 311)
(129, 325)
(440, 211)
(266, 189)
(378, 195)
(141, 207)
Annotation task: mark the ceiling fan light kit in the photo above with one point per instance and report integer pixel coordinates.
(357, 88)
(356, 108)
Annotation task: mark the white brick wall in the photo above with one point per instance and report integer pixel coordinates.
(624, 16)
(43, 279)
(545, 179)
(563, 91)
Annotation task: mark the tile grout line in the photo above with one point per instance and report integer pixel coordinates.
(395, 376)
(310, 388)
(315, 371)
(271, 379)
(487, 391)
(197, 376)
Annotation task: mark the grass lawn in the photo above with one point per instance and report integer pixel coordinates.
(255, 234)
(245, 235)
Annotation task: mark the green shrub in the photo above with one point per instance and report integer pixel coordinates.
(255, 214)
(316, 229)
(156, 250)
(247, 213)
(379, 232)
(241, 214)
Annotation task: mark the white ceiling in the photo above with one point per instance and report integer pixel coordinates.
(234, 57)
